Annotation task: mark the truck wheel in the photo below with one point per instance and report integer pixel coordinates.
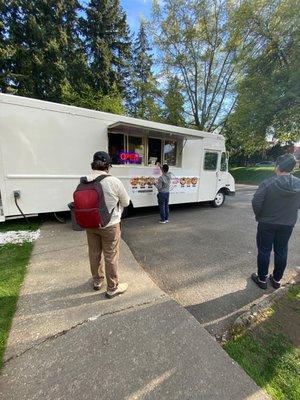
(219, 199)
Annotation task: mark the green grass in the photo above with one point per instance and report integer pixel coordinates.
(294, 293)
(19, 225)
(273, 365)
(268, 356)
(254, 175)
(13, 262)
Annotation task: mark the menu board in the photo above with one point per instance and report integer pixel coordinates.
(145, 185)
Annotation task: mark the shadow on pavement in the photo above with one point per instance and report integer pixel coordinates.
(223, 310)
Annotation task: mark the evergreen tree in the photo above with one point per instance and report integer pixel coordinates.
(106, 35)
(144, 86)
(4, 51)
(17, 64)
(45, 43)
(173, 112)
(93, 100)
(74, 51)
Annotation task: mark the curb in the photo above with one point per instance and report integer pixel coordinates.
(257, 311)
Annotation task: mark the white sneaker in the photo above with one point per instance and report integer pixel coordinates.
(162, 222)
(97, 285)
(120, 289)
(167, 221)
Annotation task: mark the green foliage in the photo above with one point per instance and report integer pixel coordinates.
(49, 52)
(173, 112)
(107, 39)
(199, 45)
(88, 98)
(144, 94)
(268, 102)
(218, 57)
(44, 42)
(4, 49)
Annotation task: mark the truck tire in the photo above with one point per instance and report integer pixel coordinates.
(219, 199)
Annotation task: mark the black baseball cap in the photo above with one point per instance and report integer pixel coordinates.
(103, 157)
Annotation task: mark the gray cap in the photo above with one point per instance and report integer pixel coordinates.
(286, 163)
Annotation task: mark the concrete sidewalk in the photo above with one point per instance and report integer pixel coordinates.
(69, 342)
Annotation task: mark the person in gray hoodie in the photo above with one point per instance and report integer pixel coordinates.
(275, 205)
(163, 186)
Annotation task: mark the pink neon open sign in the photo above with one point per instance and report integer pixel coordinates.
(130, 157)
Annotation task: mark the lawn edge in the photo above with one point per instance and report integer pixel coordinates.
(25, 272)
(257, 311)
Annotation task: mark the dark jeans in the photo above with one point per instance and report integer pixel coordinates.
(276, 236)
(163, 202)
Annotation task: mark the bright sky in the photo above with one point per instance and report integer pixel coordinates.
(135, 9)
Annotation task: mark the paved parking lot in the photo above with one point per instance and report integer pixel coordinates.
(204, 257)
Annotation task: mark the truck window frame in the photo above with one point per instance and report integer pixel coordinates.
(224, 162)
(216, 162)
(145, 138)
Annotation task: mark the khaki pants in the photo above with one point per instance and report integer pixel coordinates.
(107, 242)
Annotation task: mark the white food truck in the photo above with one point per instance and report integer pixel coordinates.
(46, 147)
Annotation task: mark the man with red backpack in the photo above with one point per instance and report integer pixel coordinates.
(98, 204)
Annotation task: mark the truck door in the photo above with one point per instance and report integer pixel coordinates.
(209, 175)
(222, 175)
(2, 217)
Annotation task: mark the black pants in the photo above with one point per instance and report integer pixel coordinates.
(272, 236)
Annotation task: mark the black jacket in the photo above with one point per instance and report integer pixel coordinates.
(277, 200)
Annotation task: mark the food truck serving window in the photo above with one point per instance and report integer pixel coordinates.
(170, 152)
(210, 161)
(143, 150)
(136, 147)
(116, 144)
(154, 151)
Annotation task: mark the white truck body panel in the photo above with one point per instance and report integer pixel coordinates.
(46, 147)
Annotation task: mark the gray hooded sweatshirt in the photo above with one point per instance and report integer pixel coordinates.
(277, 200)
(164, 182)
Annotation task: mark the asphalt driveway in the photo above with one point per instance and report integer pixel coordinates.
(203, 258)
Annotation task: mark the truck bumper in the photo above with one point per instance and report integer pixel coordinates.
(230, 193)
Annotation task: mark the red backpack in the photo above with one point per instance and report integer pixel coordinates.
(89, 204)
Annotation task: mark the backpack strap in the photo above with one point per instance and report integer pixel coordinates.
(99, 179)
(83, 179)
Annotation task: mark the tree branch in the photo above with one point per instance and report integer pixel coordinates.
(221, 101)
